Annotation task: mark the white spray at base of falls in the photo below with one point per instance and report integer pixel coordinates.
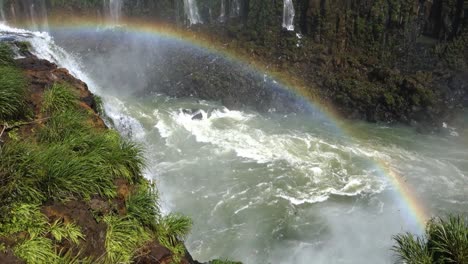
(191, 11)
(288, 15)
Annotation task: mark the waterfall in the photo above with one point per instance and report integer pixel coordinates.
(191, 11)
(222, 16)
(113, 10)
(288, 15)
(38, 15)
(235, 8)
(2, 13)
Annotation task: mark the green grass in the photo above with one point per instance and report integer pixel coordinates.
(171, 231)
(17, 175)
(24, 218)
(60, 97)
(142, 205)
(448, 239)
(445, 241)
(124, 238)
(67, 158)
(6, 55)
(69, 231)
(12, 93)
(37, 250)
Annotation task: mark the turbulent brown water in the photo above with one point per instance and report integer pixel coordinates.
(265, 186)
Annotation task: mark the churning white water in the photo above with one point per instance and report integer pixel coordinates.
(278, 188)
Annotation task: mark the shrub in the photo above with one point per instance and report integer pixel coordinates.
(445, 241)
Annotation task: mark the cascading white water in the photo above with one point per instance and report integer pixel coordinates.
(191, 11)
(288, 15)
(235, 8)
(222, 16)
(114, 9)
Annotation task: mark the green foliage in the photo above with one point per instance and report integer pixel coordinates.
(99, 105)
(171, 230)
(143, 206)
(69, 231)
(12, 93)
(37, 250)
(448, 239)
(24, 218)
(123, 239)
(64, 125)
(6, 55)
(412, 250)
(60, 97)
(445, 241)
(23, 46)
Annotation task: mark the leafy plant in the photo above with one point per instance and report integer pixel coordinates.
(448, 239)
(445, 241)
(24, 218)
(143, 206)
(69, 231)
(38, 250)
(12, 93)
(123, 239)
(6, 54)
(60, 97)
(412, 250)
(171, 230)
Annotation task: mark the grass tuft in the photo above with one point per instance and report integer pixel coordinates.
(6, 54)
(12, 93)
(171, 230)
(60, 97)
(38, 250)
(69, 231)
(124, 238)
(445, 241)
(448, 239)
(24, 218)
(142, 205)
(412, 250)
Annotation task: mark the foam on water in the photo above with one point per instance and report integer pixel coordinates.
(320, 169)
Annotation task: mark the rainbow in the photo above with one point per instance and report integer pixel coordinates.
(413, 209)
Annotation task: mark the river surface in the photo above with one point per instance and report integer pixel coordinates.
(274, 187)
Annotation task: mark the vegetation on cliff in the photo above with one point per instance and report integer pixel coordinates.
(72, 190)
(445, 241)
